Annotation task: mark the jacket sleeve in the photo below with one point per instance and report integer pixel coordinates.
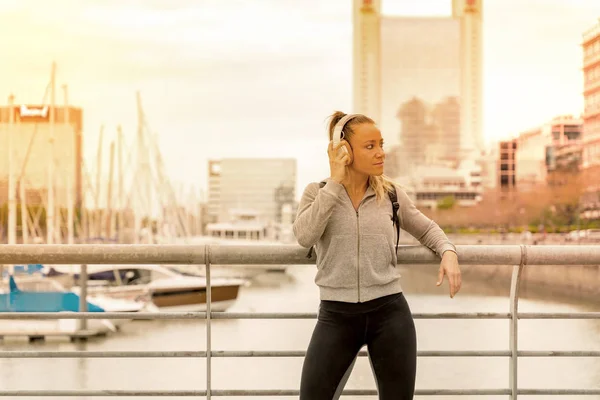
(314, 210)
(425, 230)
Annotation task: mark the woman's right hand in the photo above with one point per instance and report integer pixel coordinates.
(338, 160)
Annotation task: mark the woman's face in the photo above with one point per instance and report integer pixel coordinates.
(367, 149)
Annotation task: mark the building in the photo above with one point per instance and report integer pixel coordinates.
(591, 120)
(435, 184)
(507, 180)
(420, 74)
(366, 63)
(213, 204)
(470, 14)
(30, 130)
(564, 156)
(530, 157)
(591, 92)
(547, 154)
(258, 184)
(424, 59)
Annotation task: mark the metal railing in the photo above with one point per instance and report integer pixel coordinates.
(518, 255)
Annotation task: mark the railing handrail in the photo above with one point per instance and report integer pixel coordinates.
(281, 254)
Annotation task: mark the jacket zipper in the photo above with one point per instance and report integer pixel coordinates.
(358, 255)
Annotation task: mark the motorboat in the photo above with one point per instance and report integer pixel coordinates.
(167, 289)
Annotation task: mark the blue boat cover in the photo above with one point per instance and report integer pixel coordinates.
(26, 301)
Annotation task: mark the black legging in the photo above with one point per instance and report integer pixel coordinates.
(385, 325)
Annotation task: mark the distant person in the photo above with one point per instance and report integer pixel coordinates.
(349, 221)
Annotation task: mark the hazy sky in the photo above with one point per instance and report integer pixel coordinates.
(248, 78)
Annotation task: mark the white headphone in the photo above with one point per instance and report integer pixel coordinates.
(338, 130)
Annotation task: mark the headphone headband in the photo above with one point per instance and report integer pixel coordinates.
(339, 127)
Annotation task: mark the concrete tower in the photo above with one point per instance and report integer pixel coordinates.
(469, 12)
(367, 58)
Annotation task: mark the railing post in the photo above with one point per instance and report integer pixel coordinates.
(208, 326)
(83, 282)
(514, 326)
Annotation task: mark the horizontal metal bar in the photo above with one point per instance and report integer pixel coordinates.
(272, 315)
(100, 354)
(234, 315)
(302, 353)
(550, 353)
(559, 392)
(103, 315)
(475, 315)
(100, 393)
(585, 315)
(240, 315)
(364, 392)
(220, 315)
(220, 353)
(101, 254)
(279, 353)
(240, 393)
(234, 393)
(281, 254)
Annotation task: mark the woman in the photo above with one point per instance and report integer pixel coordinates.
(349, 221)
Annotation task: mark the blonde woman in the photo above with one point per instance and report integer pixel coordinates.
(348, 220)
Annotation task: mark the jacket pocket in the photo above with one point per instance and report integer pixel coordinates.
(376, 260)
(338, 265)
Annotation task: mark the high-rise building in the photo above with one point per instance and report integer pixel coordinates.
(591, 94)
(258, 184)
(367, 58)
(470, 15)
(431, 59)
(590, 201)
(30, 131)
(420, 64)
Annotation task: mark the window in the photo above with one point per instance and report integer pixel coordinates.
(556, 135)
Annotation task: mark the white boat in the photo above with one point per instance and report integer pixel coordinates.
(165, 288)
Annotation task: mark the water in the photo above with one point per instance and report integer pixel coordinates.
(296, 292)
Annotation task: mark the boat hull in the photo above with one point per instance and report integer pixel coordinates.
(194, 298)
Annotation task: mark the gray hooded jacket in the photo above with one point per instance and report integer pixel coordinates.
(356, 257)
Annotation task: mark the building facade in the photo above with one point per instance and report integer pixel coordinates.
(423, 59)
(262, 185)
(30, 130)
(591, 120)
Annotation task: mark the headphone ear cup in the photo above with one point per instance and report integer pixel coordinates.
(349, 152)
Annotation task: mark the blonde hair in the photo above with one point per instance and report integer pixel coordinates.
(380, 184)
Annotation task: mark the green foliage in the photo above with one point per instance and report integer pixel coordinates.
(447, 203)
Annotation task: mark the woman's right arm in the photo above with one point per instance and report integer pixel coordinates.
(316, 206)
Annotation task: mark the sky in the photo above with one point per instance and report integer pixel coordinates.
(258, 78)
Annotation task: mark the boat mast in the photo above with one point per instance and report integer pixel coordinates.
(50, 217)
(71, 170)
(12, 195)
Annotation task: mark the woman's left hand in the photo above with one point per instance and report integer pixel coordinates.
(449, 266)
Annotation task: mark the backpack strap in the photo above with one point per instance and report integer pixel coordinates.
(395, 207)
